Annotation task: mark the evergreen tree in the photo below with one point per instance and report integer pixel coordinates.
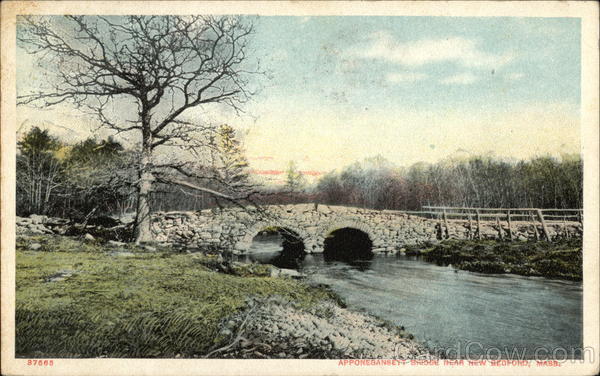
(295, 180)
(230, 166)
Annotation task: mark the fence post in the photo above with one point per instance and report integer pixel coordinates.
(499, 228)
(535, 231)
(478, 225)
(510, 233)
(446, 225)
(440, 232)
(470, 227)
(544, 227)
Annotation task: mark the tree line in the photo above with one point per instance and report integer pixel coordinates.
(482, 181)
(99, 177)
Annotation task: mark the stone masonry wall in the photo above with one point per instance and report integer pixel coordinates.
(234, 228)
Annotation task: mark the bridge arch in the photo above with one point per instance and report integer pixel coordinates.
(348, 240)
(246, 240)
(349, 223)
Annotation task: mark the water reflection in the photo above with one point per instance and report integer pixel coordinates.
(448, 308)
(280, 248)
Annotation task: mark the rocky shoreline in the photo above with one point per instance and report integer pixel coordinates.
(281, 329)
(275, 328)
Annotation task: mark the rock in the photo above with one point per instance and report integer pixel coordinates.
(37, 219)
(61, 275)
(53, 221)
(21, 221)
(324, 209)
(88, 237)
(114, 243)
(281, 272)
(149, 248)
(122, 254)
(226, 332)
(35, 246)
(39, 229)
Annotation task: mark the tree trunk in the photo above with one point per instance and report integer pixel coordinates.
(142, 220)
(142, 227)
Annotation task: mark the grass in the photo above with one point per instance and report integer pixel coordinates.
(83, 299)
(561, 260)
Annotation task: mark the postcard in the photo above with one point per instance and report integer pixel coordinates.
(300, 188)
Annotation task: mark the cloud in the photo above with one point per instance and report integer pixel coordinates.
(405, 77)
(460, 79)
(457, 50)
(514, 76)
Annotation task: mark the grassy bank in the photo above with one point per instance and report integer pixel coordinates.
(84, 299)
(560, 260)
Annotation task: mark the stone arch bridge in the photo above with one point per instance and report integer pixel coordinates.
(234, 228)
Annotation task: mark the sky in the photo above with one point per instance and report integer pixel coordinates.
(410, 89)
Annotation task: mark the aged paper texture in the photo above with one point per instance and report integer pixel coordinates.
(299, 188)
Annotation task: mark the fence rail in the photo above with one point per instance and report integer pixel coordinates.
(532, 215)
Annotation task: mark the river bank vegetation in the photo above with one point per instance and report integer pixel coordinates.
(90, 298)
(559, 260)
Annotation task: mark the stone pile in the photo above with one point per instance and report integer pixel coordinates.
(274, 329)
(41, 224)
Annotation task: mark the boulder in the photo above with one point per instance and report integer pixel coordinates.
(282, 272)
(115, 243)
(37, 219)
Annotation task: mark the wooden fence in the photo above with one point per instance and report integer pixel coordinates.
(477, 215)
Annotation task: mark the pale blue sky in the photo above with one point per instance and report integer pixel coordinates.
(323, 61)
(408, 88)
(416, 88)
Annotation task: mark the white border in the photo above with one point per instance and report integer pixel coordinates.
(587, 11)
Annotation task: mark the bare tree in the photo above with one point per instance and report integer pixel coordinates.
(142, 74)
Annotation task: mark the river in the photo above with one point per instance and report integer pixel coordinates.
(456, 312)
